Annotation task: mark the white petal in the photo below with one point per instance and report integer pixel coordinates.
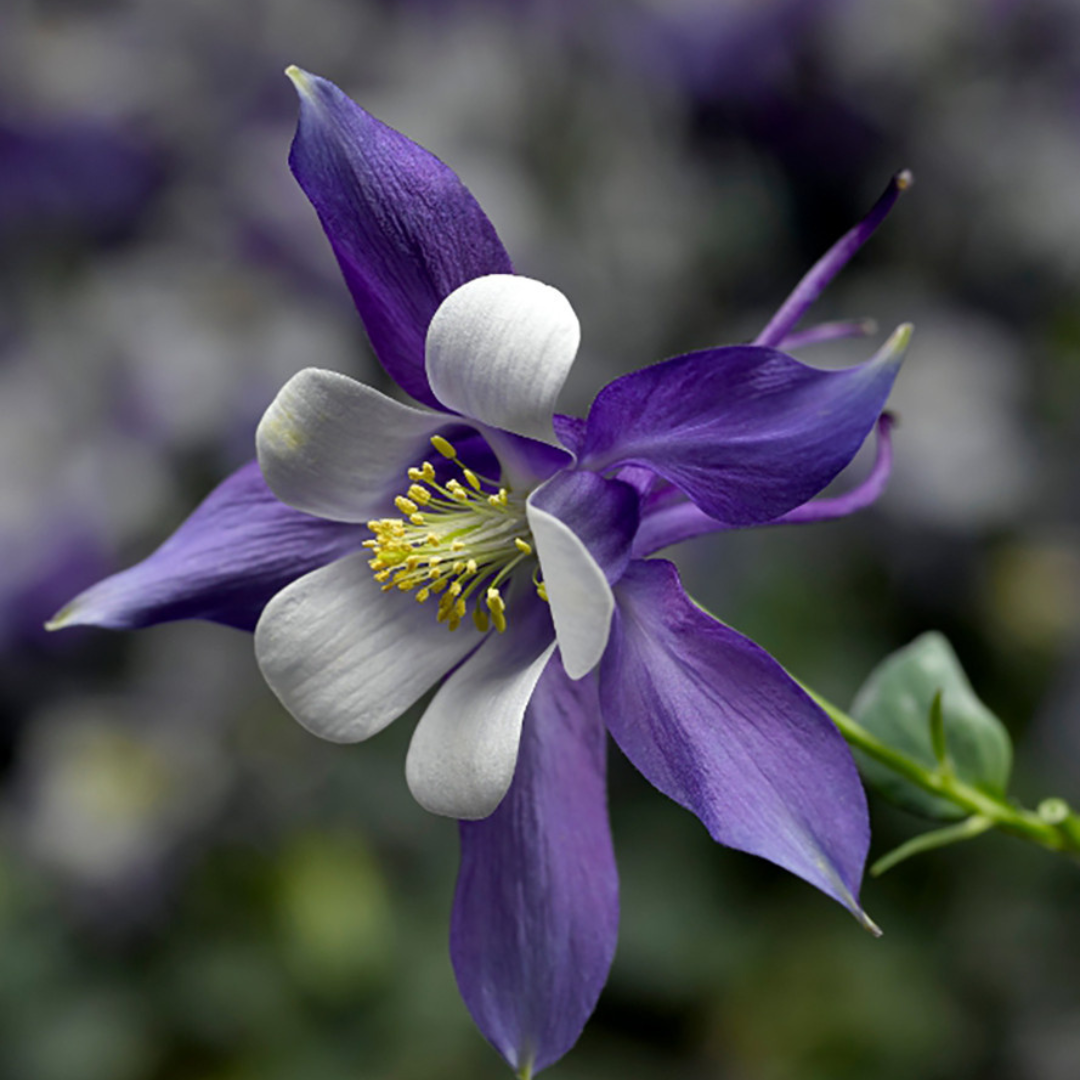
(499, 349)
(332, 447)
(581, 599)
(346, 658)
(464, 750)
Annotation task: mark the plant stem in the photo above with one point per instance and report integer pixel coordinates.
(1062, 835)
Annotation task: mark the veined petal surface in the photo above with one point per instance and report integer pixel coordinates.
(499, 350)
(684, 520)
(345, 657)
(404, 228)
(746, 432)
(238, 548)
(583, 526)
(536, 910)
(462, 755)
(331, 446)
(715, 723)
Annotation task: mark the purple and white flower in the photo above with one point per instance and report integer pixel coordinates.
(478, 542)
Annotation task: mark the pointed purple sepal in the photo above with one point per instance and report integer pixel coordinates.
(715, 723)
(748, 433)
(238, 548)
(536, 910)
(672, 523)
(405, 230)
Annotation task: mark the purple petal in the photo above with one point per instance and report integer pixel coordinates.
(603, 514)
(405, 230)
(536, 910)
(570, 431)
(746, 432)
(716, 724)
(674, 523)
(831, 263)
(238, 548)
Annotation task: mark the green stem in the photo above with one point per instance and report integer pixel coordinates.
(967, 829)
(1063, 835)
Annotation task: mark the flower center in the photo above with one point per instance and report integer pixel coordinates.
(459, 542)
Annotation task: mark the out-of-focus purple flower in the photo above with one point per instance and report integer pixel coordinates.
(74, 179)
(529, 534)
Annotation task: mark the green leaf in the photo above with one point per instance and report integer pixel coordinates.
(939, 740)
(896, 704)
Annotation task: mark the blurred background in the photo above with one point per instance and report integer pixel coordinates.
(193, 888)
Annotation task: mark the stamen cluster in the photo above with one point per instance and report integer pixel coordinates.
(458, 541)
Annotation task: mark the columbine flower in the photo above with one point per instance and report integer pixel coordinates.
(480, 542)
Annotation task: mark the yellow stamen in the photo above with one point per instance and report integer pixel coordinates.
(463, 544)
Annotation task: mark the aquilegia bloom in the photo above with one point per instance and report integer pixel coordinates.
(479, 542)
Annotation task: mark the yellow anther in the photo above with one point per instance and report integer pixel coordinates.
(446, 607)
(450, 542)
(541, 591)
